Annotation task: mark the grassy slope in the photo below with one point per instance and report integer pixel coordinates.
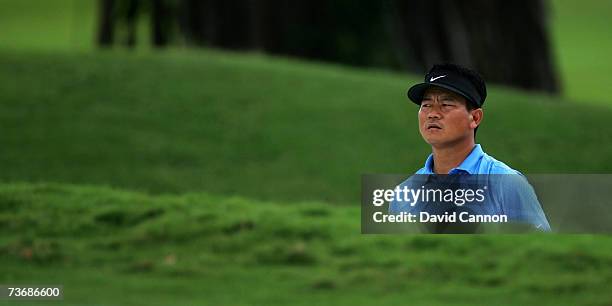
(253, 126)
(116, 247)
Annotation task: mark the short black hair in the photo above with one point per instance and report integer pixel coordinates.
(473, 76)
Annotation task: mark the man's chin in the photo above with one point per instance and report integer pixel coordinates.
(443, 142)
(439, 142)
(433, 140)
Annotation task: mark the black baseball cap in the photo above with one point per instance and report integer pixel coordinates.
(460, 80)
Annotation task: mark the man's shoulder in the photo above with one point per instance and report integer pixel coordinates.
(490, 165)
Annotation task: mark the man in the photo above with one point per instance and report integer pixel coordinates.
(451, 100)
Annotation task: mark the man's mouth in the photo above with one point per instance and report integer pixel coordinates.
(433, 126)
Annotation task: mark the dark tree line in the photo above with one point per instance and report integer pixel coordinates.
(507, 41)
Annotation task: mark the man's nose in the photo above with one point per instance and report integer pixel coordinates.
(434, 112)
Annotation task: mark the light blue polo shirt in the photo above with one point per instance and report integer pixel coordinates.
(509, 193)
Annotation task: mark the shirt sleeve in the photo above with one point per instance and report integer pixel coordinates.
(520, 202)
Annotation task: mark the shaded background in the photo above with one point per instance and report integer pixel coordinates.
(210, 152)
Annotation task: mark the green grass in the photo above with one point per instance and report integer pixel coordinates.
(67, 25)
(580, 32)
(253, 126)
(47, 25)
(114, 247)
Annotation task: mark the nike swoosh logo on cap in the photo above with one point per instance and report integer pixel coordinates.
(433, 79)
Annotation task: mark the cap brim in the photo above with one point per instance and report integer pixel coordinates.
(416, 92)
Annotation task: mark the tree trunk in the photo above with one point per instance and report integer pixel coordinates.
(106, 22)
(160, 23)
(131, 19)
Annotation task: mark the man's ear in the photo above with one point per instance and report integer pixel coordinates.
(476, 116)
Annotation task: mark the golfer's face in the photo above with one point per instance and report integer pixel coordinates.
(443, 117)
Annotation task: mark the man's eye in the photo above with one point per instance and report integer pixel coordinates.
(447, 104)
(425, 105)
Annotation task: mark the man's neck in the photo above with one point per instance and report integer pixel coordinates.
(448, 157)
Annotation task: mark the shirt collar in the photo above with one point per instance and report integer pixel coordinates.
(468, 165)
